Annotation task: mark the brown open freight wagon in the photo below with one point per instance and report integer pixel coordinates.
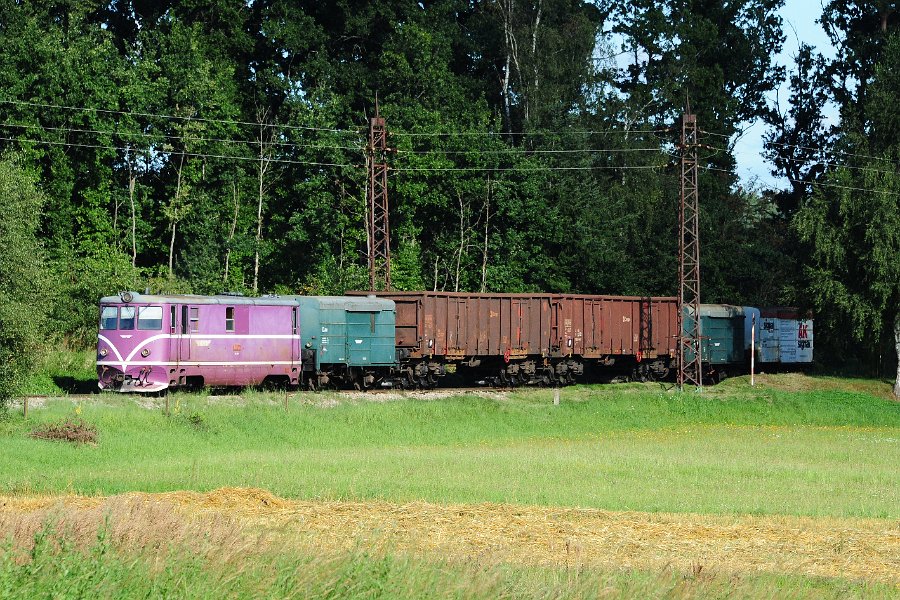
(535, 338)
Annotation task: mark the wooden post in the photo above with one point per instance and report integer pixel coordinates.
(25, 408)
(167, 405)
(556, 396)
(285, 399)
(752, 351)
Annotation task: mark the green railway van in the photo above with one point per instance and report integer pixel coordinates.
(347, 339)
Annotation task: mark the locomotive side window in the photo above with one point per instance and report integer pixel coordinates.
(195, 319)
(229, 318)
(108, 317)
(150, 318)
(172, 319)
(184, 319)
(126, 317)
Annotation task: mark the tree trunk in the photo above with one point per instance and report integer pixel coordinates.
(258, 233)
(131, 182)
(512, 58)
(487, 224)
(172, 243)
(237, 205)
(265, 146)
(533, 92)
(462, 241)
(175, 211)
(897, 349)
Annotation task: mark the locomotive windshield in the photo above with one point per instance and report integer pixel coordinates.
(108, 317)
(150, 318)
(126, 317)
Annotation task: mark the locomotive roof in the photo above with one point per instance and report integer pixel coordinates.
(340, 302)
(197, 299)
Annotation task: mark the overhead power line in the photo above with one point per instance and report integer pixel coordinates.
(844, 187)
(815, 149)
(542, 168)
(518, 151)
(144, 134)
(528, 133)
(191, 154)
(178, 117)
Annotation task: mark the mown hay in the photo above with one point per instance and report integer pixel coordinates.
(859, 549)
(76, 431)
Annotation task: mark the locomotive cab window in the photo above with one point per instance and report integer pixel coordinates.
(109, 317)
(150, 318)
(126, 317)
(195, 319)
(229, 318)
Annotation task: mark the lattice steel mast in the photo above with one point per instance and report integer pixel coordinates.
(378, 225)
(690, 368)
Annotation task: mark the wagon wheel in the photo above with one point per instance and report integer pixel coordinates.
(504, 381)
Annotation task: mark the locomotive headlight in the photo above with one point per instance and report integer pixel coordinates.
(103, 352)
(145, 352)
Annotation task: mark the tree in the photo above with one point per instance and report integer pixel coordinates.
(852, 219)
(23, 281)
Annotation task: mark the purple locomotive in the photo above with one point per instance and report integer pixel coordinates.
(148, 343)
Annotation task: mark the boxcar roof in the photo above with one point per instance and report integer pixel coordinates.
(196, 299)
(353, 303)
(784, 312)
(721, 310)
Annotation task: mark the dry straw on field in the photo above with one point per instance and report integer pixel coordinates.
(235, 518)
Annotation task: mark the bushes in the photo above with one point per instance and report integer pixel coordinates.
(23, 277)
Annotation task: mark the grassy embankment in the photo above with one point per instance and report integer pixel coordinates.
(731, 450)
(796, 445)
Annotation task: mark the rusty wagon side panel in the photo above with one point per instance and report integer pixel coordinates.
(457, 325)
(603, 326)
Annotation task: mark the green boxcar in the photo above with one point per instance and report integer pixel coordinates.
(721, 333)
(356, 332)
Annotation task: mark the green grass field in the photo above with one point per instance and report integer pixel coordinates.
(795, 445)
(728, 450)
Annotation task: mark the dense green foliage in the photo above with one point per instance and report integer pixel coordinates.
(845, 194)
(618, 447)
(218, 144)
(23, 281)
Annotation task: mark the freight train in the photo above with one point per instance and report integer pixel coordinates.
(150, 343)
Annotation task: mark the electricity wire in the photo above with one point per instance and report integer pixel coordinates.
(844, 187)
(527, 133)
(516, 151)
(814, 149)
(190, 154)
(177, 117)
(123, 135)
